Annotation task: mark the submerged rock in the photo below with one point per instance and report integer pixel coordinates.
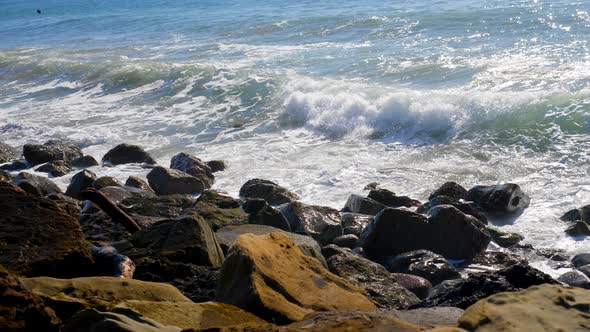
(50, 151)
(499, 199)
(320, 222)
(166, 181)
(55, 168)
(35, 185)
(79, 182)
(127, 154)
(267, 190)
(423, 263)
(194, 166)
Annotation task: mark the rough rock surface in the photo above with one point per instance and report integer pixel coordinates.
(261, 213)
(423, 263)
(35, 184)
(431, 317)
(347, 241)
(390, 199)
(194, 166)
(415, 284)
(7, 153)
(84, 162)
(50, 151)
(127, 154)
(267, 190)
(450, 189)
(79, 182)
(270, 277)
(55, 168)
(166, 181)
(320, 222)
(575, 279)
(106, 181)
(134, 181)
(362, 205)
(539, 308)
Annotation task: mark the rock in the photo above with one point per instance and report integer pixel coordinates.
(5, 176)
(127, 321)
(499, 199)
(415, 284)
(423, 263)
(261, 213)
(267, 190)
(50, 151)
(494, 260)
(354, 223)
(106, 181)
(380, 285)
(575, 279)
(16, 165)
(580, 260)
(68, 204)
(167, 181)
(346, 241)
(539, 308)
(362, 205)
(585, 269)
(581, 214)
(84, 162)
(186, 239)
(257, 264)
(7, 153)
(127, 154)
(450, 189)
(332, 250)
(220, 210)
(579, 228)
(55, 168)
(194, 166)
(462, 293)
(216, 165)
(35, 185)
(196, 316)
(320, 222)
(168, 206)
(431, 317)
(113, 264)
(22, 310)
(390, 199)
(134, 181)
(469, 208)
(504, 239)
(38, 237)
(395, 231)
(79, 182)
(229, 234)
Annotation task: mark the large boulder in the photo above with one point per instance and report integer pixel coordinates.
(469, 208)
(269, 276)
(390, 199)
(380, 285)
(50, 151)
(539, 308)
(35, 184)
(55, 168)
(127, 154)
(39, 237)
(7, 153)
(499, 199)
(194, 166)
(166, 181)
(423, 263)
(82, 180)
(447, 232)
(450, 189)
(267, 190)
(320, 222)
(362, 205)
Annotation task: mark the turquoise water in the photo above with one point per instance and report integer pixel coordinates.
(323, 97)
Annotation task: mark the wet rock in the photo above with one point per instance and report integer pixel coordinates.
(194, 166)
(581, 214)
(390, 199)
(585, 269)
(41, 231)
(261, 213)
(113, 264)
(499, 199)
(267, 190)
(362, 205)
(417, 285)
(167, 181)
(7, 153)
(332, 250)
(216, 165)
(432, 317)
(469, 208)
(539, 308)
(127, 154)
(79, 182)
(580, 260)
(168, 206)
(504, 239)
(579, 228)
(380, 285)
(257, 263)
(346, 241)
(134, 181)
(423, 263)
(5, 176)
(68, 204)
(494, 260)
(354, 223)
(395, 231)
(575, 279)
(84, 162)
(50, 151)
(55, 168)
(450, 189)
(462, 293)
(320, 222)
(16, 165)
(219, 209)
(106, 181)
(126, 321)
(35, 185)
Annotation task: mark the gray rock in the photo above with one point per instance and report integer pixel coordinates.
(167, 181)
(84, 162)
(36, 185)
(55, 168)
(362, 205)
(194, 166)
(354, 223)
(346, 241)
(580, 260)
(106, 181)
(575, 279)
(50, 151)
(423, 263)
(267, 190)
(79, 182)
(320, 222)
(7, 153)
(127, 154)
(499, 199)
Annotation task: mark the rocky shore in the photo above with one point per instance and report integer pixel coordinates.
(169, 253)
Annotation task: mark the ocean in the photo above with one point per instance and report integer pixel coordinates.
(322, 97)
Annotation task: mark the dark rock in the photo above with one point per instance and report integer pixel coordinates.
(194, 166)
(7, 153)
(16, 165)
(84, 162)
(415, 284)
(127, 154)
(380, 285)
(219, 209)
(39, 238)
(320, 222)
(216, 165)
(423, 263)
(495, 260)
(106, 181)
(582, 214)
(447, 232)
(332, 250)
(580, 260)
(220, 199)
(261, 213)
(346, 241)
(5, 176)
(504, 239)
(450, 189)
(110, 263)
(499, 199)
(55, 168)
(469, 208)
(390, 199)
(168, 206)
(464, 292)
(36, 185)
(134, 181)
(267, 190)
(167, 181)
(575, 279)
(354, 223)
(50, 151)
(585, 269)
(79, 182)
(362, 205)
(70, 205)
(579, 228)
